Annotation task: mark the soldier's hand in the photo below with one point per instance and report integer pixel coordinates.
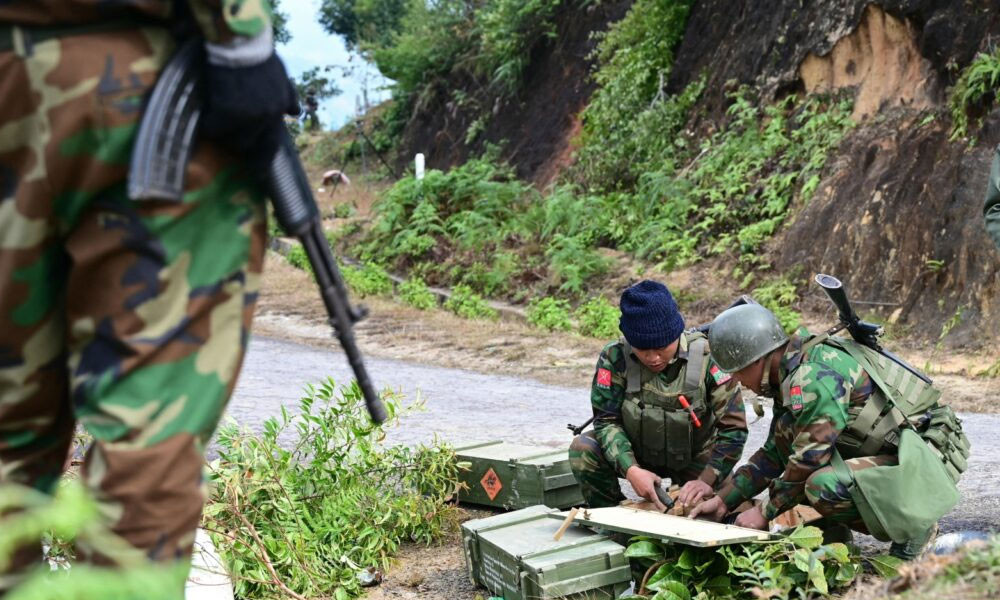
(751, 519)
(693, 492)
(712, 509)
(644, 482)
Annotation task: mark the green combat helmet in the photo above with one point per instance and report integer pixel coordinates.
(743, 334)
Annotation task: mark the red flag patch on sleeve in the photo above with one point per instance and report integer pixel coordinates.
(796, 397)
(719, 377)
(604, 378)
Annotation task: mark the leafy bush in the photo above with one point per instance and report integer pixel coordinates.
(297, 258)
(369, 280)
(550, 314)
(597, 318)
(466, 303)
(343, 210)
(318, 497)
(414, 292)
(798, 566)
(779, 296)
(630, 121)
(71, 517)
(976, 88)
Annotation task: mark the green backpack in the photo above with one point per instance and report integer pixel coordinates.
(899, 502)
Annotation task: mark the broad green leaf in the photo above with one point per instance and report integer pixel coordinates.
(644, 549)
(885, 565)
(837, 551)
(801, 559)
(678, 589)
(661, 576)
(686, 561)
(806, 537)
(666, 595)
(817, 575)
(846, 573)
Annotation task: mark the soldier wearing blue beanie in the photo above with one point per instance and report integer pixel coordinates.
(662, 408)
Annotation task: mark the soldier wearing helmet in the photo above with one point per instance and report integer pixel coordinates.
(819, 389)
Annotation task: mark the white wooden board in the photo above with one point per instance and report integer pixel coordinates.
(681, 530)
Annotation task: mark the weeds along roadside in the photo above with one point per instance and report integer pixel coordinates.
(298, 510)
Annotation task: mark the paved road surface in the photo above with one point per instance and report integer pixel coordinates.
(464, 406)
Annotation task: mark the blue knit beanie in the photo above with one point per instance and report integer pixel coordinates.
(650, 318)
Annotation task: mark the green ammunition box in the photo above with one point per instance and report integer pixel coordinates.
(512, 476)
(514, 555)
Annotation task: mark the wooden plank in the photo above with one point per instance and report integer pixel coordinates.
(671, 528)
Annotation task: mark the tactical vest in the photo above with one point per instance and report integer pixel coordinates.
(662, 433)
(899, 399)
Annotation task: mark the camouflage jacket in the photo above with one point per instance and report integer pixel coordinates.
(823, 383)
(991, 207)
(722, 393)
(221, 21)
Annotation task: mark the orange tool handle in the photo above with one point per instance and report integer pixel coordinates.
(687, 405)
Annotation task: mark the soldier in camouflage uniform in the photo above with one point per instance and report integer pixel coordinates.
(642, 432)
(991, 207)
(129, 317)
(822, 391)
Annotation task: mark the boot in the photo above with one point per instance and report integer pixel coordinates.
(838, 532)
(915, 547)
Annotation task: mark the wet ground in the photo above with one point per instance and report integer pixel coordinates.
(465, 406)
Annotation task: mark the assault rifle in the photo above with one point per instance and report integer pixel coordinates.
(862, 332)
(163, 146)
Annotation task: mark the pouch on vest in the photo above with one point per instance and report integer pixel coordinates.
(678, 439)
(920, 478)
(653, 435)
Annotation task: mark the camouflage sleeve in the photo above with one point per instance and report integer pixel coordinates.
(818, 400)
(726, 400)
(606, 395)
(763, 467)
(991, 207)
(233, 22)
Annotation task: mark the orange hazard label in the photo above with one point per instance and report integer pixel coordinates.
(491, 483)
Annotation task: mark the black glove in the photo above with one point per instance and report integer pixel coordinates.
(244, 108)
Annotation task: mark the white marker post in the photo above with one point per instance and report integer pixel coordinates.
(419, 166)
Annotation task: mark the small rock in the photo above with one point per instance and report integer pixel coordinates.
(952, 542)
(369, 577)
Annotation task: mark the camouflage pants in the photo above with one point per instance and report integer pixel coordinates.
(598, 478)
(130, 318)
(832, 499)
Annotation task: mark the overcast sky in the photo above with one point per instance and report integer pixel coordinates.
(311, 47)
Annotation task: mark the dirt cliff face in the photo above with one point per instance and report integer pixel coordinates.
(898, 214)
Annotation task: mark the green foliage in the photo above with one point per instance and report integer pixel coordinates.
(550, 314)
(414, 292)
(298, 258)
(363, 23)
(630, 121)
(975, 90)
(327, 501)
(468, 304)
(509, 29)
(795, 566)
(369, 280)
(72, 518)
(597, 318)
(344, 210)
(279, 19)
(779, 296)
